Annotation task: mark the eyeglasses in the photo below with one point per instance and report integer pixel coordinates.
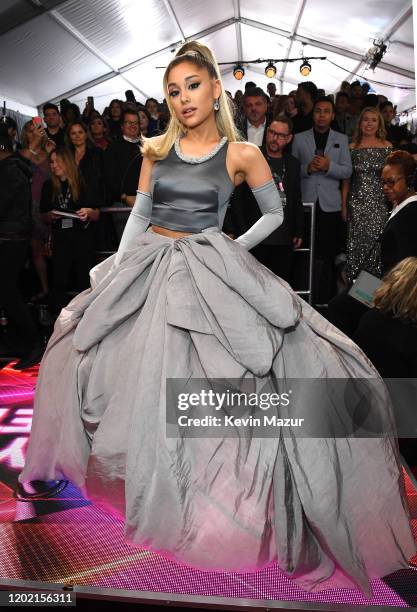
(275, 134)
(392, 181)
(131, 122)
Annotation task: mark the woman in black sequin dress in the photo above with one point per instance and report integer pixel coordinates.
(363, 202)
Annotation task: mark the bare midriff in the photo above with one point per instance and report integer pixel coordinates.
(170, 233)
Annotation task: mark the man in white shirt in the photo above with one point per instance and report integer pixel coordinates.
(255, 107)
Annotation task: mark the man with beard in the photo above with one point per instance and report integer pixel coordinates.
(276, 251)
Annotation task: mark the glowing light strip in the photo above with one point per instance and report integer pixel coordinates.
(111, 565)
(17, 394)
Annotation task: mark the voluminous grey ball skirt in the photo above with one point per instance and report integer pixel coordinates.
(330, 511)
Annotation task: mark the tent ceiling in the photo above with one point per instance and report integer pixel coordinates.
(74, 48)
(16, 12)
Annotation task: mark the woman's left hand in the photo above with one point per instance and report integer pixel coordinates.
(88, 214)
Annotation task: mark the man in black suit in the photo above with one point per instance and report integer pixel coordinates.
(276, 251)
(255, 122)
(122, 164)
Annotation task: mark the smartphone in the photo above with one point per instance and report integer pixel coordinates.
(37, 121)
(319, 152)
(90, 101)
(130, 96)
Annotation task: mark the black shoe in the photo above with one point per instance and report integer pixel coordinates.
(30, 359)
(40, 490)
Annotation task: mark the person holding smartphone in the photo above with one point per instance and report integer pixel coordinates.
(53, 120)
(36, 149)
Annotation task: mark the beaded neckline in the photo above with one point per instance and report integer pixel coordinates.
(198, 160)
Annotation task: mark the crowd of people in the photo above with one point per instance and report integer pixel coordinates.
(64, 168)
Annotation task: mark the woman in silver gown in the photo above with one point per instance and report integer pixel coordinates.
(363, 202)
(183, 301)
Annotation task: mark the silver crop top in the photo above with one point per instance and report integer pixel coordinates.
(191, 194)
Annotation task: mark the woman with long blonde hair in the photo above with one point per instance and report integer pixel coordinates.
(387, 333)
(133, 364)
(363, 203)
(72, 237)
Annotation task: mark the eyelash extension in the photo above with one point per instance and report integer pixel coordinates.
(191, 86)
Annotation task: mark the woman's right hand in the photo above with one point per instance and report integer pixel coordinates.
(50, 146)
(344, 213)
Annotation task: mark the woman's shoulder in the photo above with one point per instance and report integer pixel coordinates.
(409, 210)
(241, 145)
(244, 150)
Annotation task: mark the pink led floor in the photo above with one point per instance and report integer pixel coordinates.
(84, 545)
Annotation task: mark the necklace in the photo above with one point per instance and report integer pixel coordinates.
(203, 158)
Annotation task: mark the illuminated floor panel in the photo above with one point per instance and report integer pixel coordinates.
(84, 545)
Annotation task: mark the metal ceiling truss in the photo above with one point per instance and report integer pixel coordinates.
(87, 44)
(298, 16)
(175, 19)
(326, 47)
(142, 60)
(236, 8)
(237, 20)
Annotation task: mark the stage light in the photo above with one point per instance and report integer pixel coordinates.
(270, 70)
(305, 68)
(238, 72)
(376, 53)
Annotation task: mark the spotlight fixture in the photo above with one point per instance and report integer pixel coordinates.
(270, 70)
(238, 72)
(376, 53)
(305, 68)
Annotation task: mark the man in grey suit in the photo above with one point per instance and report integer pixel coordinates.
(325, 161)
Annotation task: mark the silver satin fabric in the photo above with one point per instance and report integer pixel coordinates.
(331, 512)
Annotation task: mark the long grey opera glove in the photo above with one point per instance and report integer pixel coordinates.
(270, 204)
(137, 223)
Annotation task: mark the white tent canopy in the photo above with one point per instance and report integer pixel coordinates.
(53, 49)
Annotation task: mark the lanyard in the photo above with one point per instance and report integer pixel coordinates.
(64, 200)
(281, 178)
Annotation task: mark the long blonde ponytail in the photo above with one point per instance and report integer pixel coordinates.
(201, 56)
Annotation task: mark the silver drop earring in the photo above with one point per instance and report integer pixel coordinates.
(216, 105)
